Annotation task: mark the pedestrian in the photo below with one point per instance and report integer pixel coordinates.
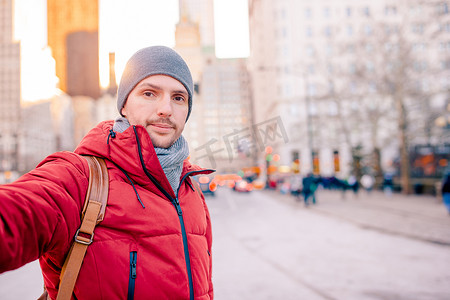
(446, 191)
(353, 184)
(309, 188)
(367, 181)
(343, 185)
(155, 239)
(388, 184)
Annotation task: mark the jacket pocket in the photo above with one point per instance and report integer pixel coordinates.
(133, 274)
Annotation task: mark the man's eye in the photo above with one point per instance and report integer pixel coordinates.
(148, 94)
(179, 98)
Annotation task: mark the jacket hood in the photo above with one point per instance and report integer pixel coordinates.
(131, 150)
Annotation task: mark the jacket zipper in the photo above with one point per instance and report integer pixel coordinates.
(177, 206)
(176, 203)
(133, 274)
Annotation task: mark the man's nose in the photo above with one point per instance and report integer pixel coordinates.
(164, 106)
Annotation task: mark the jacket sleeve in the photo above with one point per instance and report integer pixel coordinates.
(40, 212)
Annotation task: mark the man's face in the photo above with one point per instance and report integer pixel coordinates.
(160, 104)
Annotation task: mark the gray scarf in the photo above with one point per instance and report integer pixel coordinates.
(171, 159)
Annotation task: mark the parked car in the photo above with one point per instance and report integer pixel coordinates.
(207, 185)
(243, 186)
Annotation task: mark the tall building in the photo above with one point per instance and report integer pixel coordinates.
(223, 140)
(47, 127)
(222, 102)
(73, 37)
(201, 12)
(38, 138)
(9, 94)
(339, 74)
(112, 87)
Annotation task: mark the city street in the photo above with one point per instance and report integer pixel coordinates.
(269, 246)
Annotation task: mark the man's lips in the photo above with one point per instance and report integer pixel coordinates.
(162, 127)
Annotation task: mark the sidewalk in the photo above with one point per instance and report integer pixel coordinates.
(419, 217)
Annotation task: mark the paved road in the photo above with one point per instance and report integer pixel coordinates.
(422, 217)
(268, 246)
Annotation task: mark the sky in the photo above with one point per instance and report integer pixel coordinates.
(121, 25)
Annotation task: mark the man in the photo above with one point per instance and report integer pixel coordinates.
(309, 188)
(155, 239)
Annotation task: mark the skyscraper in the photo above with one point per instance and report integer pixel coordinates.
(200, 12)
(222, 98)
(73, 37)
(9, 93)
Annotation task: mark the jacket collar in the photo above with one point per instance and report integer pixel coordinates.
(131, 150)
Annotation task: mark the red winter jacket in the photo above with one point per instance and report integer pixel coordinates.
(162, 251)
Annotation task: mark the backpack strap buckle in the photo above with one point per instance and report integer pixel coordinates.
(83, 240)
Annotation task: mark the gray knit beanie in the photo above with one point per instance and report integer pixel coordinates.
(155, 60)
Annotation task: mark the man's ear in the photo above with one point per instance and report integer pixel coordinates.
(122, 112)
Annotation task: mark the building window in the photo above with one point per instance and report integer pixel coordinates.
(312, 109)
(350, 48)
(366, 11)
(348, 11)
(329, 50)
(418, 47)
(390, 10)
(327, 31)
(309, 31)
(287, 90)
(294, 110)
(331, 87)
(330, 68)
(326, 13)
(308, 13)
(418, 28)
(332, 108)
(368, 29)
(420, 66)
(310, 50)
(352, 68)
(352, 87)
(349, 30)
(370, 66)
(445, 46)
(445, 27)
(372, 87)
(311, 89)
(415, 10)
(443, 8)
(295, 156)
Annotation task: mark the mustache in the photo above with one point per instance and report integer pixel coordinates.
(162, 121)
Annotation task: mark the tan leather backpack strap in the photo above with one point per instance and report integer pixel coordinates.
(93, 213)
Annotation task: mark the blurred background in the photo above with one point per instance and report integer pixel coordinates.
(335, 88)
(346, 93)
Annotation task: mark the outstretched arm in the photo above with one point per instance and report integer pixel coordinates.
(40, 212)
